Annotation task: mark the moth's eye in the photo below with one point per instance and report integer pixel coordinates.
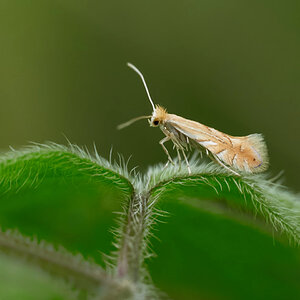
(155, 122)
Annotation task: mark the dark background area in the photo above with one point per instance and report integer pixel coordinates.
(231, 65)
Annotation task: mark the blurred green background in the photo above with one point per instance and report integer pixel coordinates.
(232, 65)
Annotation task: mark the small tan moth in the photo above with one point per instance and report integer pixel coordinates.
(236, 154)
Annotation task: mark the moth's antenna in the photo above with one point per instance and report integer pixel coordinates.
(134, 68)
(123, 125)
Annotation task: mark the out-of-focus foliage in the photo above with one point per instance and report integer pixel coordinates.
(19, 280)
(232, 65)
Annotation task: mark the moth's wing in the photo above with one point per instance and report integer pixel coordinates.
(207, 137)
(211, 139)
(251, 153)
(247, 153)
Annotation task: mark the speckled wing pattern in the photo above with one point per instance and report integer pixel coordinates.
(246, 153)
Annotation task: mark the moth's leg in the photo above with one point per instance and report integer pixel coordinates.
(187, 162)
(223, 165)
(200, 153)
(179, 157)
(166, 165)
(177, 145)
(165, 139)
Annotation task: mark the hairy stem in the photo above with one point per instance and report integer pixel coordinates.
(132, 246)
(73, 268)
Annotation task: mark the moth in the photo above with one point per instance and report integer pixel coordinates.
(237, 154)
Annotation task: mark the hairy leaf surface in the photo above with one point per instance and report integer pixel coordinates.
(208, 235)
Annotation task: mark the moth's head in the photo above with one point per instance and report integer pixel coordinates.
(158, 116)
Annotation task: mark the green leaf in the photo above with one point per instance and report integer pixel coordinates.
(215, 235)
(220, 238)
(62, 196)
